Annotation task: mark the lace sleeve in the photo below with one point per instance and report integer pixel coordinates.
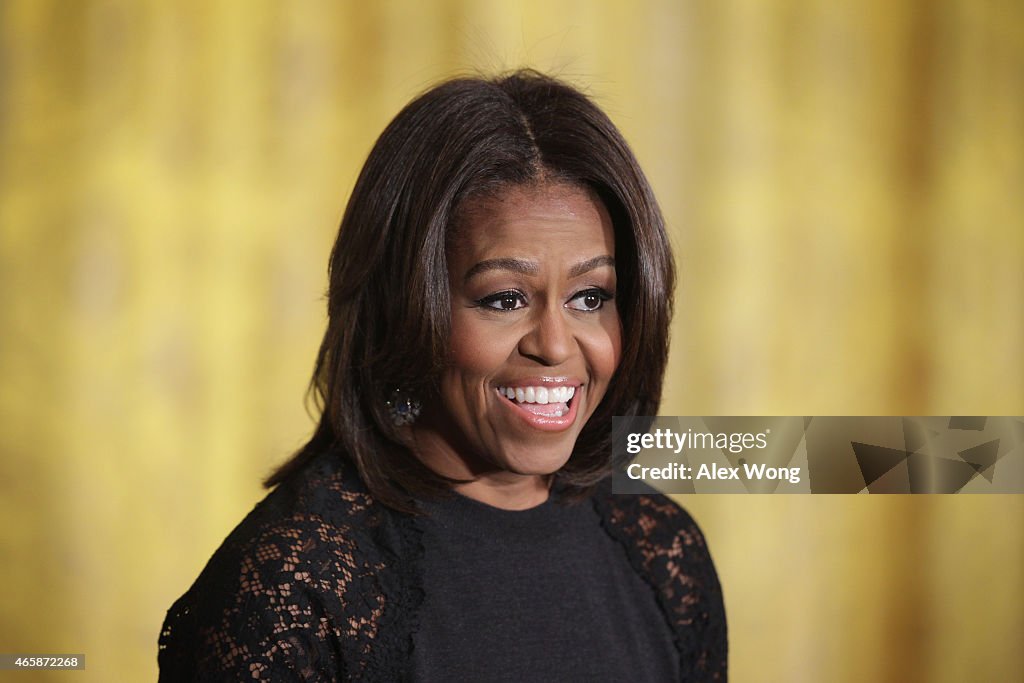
(264, 611)
(318, 583)
(667, 548)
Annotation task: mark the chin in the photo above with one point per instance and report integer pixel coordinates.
(535, 464)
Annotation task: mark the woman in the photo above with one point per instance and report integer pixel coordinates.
(499, 289)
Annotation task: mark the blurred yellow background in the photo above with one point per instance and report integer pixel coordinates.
(843, 182)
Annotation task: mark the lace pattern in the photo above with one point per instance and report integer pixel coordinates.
(295, 596)
(667, 548)
(321, 583)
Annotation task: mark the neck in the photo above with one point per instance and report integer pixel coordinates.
(480, 480)
(526, 492)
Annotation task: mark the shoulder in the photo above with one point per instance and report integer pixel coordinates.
(275, 600)
(658, 526)
(668, 549)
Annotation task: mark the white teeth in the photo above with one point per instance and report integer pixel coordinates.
(539, 395)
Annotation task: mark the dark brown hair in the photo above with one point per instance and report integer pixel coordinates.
(388, 298)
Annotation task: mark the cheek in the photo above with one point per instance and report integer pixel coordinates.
(604, 349)
(477, 350)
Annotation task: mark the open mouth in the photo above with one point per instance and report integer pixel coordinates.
(540, 400)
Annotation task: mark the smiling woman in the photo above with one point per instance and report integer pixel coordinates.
(501, 287)
(532, 278)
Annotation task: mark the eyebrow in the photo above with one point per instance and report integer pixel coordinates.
(516, 265)
(524, 267)
(591, 264)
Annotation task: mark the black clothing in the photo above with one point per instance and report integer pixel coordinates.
(534, 595)
(322, 583)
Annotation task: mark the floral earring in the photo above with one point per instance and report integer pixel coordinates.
(403, 408)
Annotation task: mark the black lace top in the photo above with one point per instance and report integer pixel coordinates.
(322, 583)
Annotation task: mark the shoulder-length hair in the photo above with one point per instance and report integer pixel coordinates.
(388, 297)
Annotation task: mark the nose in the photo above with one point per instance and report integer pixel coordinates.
(549, 341)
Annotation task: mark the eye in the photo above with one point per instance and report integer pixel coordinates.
(510, 300)
(589, 299)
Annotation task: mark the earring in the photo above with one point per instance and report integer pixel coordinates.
(403, 408)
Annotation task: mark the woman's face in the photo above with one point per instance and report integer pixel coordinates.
(535, 338)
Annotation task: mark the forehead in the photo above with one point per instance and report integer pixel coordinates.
(534, 221)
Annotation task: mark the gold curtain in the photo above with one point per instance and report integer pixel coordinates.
(843, 185)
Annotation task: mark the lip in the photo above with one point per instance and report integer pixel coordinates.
(544, 423)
